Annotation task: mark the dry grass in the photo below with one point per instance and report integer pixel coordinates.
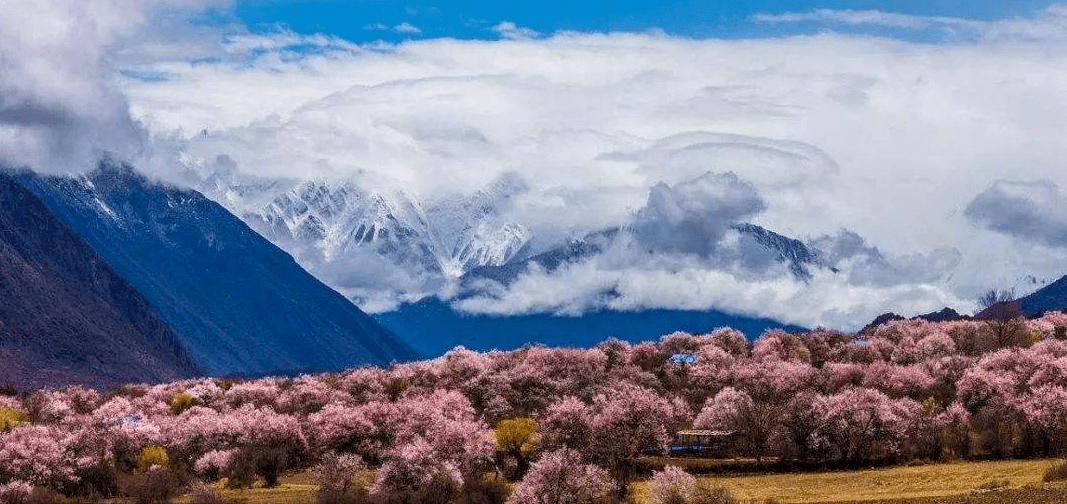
(901, 484)
(292, 489)
(930, 484)
(1046, 494)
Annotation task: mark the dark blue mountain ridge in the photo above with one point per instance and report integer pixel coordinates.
(239, 304)
(1052, 297)
(433, 326)
(67, 317)
(945, 314)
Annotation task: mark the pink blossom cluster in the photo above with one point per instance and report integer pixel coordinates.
(15, 492)
(562, 477)
(667, 485)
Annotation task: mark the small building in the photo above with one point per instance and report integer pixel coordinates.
(684, 358)
(710, 443)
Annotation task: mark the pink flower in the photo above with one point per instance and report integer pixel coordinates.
(672, 482)
(15, 492)
(561, 477)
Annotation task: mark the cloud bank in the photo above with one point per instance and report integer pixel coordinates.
(888, 139)
(692, 217)
(1033, 211)
(1048, 24)
(61, 104)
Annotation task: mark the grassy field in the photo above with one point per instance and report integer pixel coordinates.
(917, 484)
(929, 484)
(292, 489)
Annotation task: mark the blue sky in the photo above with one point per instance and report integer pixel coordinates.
(369, 20)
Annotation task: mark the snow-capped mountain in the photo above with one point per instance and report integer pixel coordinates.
(798, 255)
(381, 248)
(472, 232)
(326, 222)
(340, 230)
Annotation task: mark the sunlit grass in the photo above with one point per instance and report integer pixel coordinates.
(296, 488)
(935, 480)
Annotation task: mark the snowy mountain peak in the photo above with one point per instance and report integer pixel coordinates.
(798, 255)
(327, 222)
(349, 234)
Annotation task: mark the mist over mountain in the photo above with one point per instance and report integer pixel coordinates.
(65, 315)
(239, 304)
(689, 249)
(374, 246)
(418, 266)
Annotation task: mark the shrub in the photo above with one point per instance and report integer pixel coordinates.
(707, 493)
(414, 473)
(97, 480)
(213, 464)
(1056, 472)
(439, 489)
(562, 477)
(358, 495)
(181, 402)
(265, 460)
(481, 490)
(517, 438)
(396, 387)
(152, 456)
(10, 417)
(157, 485)
(15, 492)
(336, 476)
(226, 383)
(45, 496)
(996, 484)
(206, 494)
(39, 455)
(672, 485)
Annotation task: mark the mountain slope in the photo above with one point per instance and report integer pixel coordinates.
(572, 251)
(324, 222)
(238, 303)
(795, 253)
(65, 316)
(787, 250)
(1052, 297)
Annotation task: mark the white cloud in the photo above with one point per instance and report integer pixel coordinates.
(693, 216)
(1034, 211)
(406, 27)
(1048, 24)
(60, 102)
(826, 299)
(871, 17)
(511, 31)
